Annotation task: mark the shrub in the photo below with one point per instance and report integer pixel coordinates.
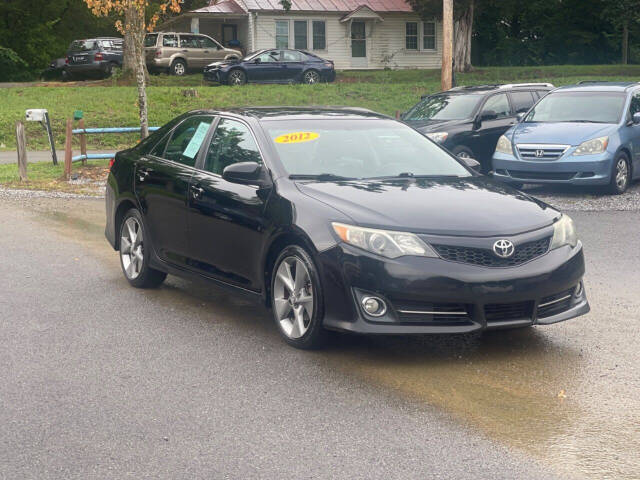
(12, 67)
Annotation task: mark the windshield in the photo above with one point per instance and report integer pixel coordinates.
(150, 39)
(359, 149)
(83, 45)
(444, 107)
(591, 107)
(252, 54)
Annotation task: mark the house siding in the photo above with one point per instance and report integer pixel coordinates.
(385, 42)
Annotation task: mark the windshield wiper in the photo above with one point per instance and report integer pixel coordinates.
(582, 121)
(410, 175)
(319, 176)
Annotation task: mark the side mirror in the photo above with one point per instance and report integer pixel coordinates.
(487, 115)
(471, 163)
(245, 173)
(257, 60)
(636, 118)
(520, 116)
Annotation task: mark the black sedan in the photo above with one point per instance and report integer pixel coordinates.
(272, 66)
(340, 219)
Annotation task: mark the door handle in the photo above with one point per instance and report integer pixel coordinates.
(143, 173)
(185, 50)
(196, 192)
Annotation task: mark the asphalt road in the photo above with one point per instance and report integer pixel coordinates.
(100, 380)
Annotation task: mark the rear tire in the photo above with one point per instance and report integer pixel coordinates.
(311, 77)
(297, 299)
(178, 68)
(135, 253)
(620, 174)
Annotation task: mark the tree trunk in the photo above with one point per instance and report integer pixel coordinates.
(463, 29)
(138, 32)
(447, 44)
(129, 53)
(625, 41)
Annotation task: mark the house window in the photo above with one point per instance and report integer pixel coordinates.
(319, 36)
(300, 34)
(282, 34)
(411, 37)
(429, 35)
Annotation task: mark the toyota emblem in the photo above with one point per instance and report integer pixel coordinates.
(503, 248)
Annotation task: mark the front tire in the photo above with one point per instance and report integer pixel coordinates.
(620, 175)
(297, 299)
(237, 77)
(135, 253)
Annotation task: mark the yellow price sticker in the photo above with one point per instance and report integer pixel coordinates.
(297, 137)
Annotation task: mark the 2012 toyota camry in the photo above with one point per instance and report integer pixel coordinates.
(340, 219)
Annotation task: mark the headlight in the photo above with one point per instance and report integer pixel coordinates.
(597, 145)
(438, 137)
(383, 242)
(504, 146)
(564, 233)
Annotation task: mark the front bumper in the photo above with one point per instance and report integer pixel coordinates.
(569, 169)
(215, 76)
(490, 298)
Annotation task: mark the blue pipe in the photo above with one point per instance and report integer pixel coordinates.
(111, 130)
(92, 156)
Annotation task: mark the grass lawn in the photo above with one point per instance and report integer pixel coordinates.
(46, 176)
(108, 104)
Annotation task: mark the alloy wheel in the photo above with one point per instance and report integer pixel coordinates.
(131, 248)
(293, 297)
(622, 174)
(311, 77)
(236, 78)
(178, 69)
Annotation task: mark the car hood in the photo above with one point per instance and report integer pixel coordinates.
(563, 133)
(473, 206)
(222, 63)
(427, 126)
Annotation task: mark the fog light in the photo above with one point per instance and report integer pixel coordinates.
(374, 306)
(578, 291)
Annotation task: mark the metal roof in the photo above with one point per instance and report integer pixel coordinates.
(341, 6)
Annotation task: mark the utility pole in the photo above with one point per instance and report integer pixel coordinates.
(447, 44)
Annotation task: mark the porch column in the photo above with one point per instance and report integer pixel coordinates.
(195, 25)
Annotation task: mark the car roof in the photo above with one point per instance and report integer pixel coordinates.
(498, 87)
(297, 113)
(598, 86)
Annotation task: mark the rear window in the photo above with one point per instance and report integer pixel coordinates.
(150, 40)
(83, 45)
(111, 44)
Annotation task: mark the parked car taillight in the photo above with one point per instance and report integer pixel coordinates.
(98, 57)
(111, 162)
(66, 60)
(158, 53)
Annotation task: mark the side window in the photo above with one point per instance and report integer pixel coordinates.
(150, 39)
(186, 140)
(542, 93)
(158, 150)
(231, 143)
(189, 41)
(499, 104)
(206, 42)
(522, 101)
(635, 104)
(170, 41)
(267, 57)
(291, 56)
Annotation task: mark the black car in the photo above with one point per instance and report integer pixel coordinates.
(340, 219)
(94, 56)
(272, 66)
(469, 120)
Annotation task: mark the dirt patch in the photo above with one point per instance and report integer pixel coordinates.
(85, 180)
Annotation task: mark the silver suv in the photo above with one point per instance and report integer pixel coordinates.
(179, 52)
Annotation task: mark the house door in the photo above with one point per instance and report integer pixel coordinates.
(229, 32)
(358, 44)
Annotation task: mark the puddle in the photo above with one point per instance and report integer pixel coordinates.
(539, 390)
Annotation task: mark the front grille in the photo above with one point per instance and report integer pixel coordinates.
(503, 312)
(554, 304)
(541, 152)
(524, 175)
(487, 258)
(433, 313)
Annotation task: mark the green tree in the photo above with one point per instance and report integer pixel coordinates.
(622, 13)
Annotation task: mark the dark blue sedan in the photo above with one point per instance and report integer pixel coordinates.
(272, 66)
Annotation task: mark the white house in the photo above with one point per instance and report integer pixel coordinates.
(355, 34)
